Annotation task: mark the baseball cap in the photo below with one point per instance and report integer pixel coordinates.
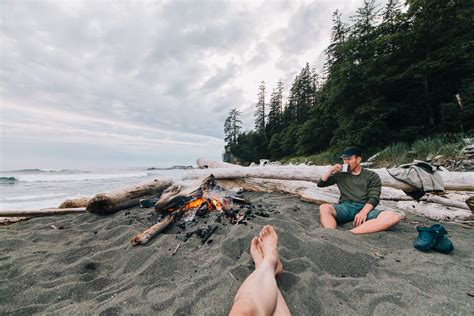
(351, 151)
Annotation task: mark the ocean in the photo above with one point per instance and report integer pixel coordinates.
(43, 188)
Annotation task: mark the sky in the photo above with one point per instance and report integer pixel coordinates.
(105, 84)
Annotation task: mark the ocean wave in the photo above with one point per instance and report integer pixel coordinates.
(33, 197)
(7, 180)
(46, 171)
(77, 177)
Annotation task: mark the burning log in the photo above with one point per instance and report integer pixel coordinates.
(179, 199)
(178, 195)
(106, 203)
(461, 181)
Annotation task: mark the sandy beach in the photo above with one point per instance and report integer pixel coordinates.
(86, 265)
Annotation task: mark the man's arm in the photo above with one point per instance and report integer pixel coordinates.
(328, 179)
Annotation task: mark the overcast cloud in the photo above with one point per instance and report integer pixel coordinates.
(104, 84)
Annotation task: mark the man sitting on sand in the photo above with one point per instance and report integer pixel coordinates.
(360, 193)
(259, 294)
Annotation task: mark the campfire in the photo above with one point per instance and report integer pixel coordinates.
(178, 204)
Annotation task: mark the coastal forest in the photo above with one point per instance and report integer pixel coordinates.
(392, 74)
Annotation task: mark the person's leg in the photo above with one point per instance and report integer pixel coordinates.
(256, 251)
(383, 221)
(327, 216)
(258, 295)
(281, 307)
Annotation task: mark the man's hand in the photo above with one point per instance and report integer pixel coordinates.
(360, 218)
(336, 168)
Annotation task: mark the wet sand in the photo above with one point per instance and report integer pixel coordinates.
(90, 267)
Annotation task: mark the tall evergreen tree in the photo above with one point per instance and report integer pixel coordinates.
(260, 109)
(274, 122)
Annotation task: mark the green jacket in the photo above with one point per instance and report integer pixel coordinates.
(363, 188)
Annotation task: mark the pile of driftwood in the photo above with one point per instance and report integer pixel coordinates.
(455, 204)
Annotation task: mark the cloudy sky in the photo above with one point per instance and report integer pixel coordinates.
(86, 84)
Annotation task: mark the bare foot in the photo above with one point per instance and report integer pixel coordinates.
(256, 252)
(268, 242)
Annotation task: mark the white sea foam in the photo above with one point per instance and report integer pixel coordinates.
(32, 197)
(76, 176)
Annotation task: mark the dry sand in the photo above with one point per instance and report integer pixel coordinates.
(90, 267)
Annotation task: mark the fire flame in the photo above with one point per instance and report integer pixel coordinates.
(212, 204)
(195, 203)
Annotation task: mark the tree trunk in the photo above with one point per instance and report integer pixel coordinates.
(71, 203)
(42, 212)
(434, 211)
(106, 203)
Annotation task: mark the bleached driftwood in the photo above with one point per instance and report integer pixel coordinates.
(435, 211)
(106, 203)
(41, 212)
(461, 181)
(143, 237)
(71, 203)
(204, 163)
(11, 220)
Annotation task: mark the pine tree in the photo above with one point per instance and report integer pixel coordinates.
(276, 107)
(260, 110)
(232, 127)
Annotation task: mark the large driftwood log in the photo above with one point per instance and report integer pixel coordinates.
(41, 212)
(461, 181)
(435, 211)
(106, 203)
(12, 220)
(71, 203)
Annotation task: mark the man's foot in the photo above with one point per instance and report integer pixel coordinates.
(268, 243)
(256, 252)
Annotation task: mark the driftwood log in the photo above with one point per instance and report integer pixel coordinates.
(107, 203)
(41, 212)
(11, 220)
(72, 203)
(461, 181)
(143, 237)
(435, 211)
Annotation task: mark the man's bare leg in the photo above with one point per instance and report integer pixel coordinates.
(327, 216)
(258, 295)
(281, 307)
(384, 221)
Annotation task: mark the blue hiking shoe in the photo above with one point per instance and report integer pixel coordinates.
(444, 245)
(428, 237)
